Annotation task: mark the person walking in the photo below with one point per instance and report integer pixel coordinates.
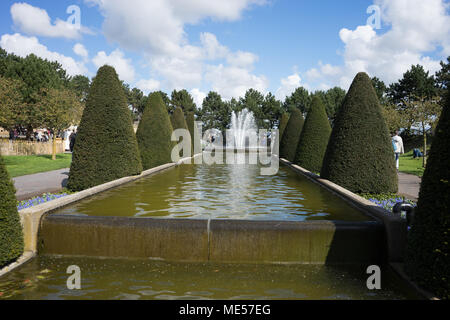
(399, 149)
(73, 138)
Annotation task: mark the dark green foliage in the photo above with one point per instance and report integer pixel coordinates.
(314, 138)
(428, 256)
(283, 123)
(291, 136)
(192, 126)
(106, 148)
(359, 156)
(179, 122)
(11, 237)
(155, 133)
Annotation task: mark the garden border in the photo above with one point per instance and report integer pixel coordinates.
(31, 218)
(395, 227)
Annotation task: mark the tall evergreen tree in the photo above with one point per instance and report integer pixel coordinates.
(314, 138)
(179, 122)
(359, 155)
(283, 123)
(11, 237)
(428, 256)
(106, 147)
(291, 136)
(154, 134)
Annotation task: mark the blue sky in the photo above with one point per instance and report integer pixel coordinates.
(230, 46)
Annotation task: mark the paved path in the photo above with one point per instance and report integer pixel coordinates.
(409, 185)
(37, 184)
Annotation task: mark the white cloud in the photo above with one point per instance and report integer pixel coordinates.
(156, 30)
(233, 82)
(24, 46)
(198, 96)
(116, 59)
(288, 85)
(148, 86)
(36, 21)
(242, 59)
(416, 28)
(80, 50)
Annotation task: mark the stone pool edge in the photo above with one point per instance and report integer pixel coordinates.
(31, 218)
(395, 227)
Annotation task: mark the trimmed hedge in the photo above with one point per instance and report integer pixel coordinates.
(291, 135)
(314, 138)
(106, 147)
(11, 237)
(192, 126)
(155, 133)
(359, 155)
(179, 122)
(283, 123)
(428, 256)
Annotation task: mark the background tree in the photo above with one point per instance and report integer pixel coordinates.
(380, 88)
(11, 237)
(183, 99)
(80, 85)
(300, 99)
(443, 77)
(154, 134)
(359, 155)
(36, 74)
(61, 108)
(10, 102)
(427, 257)
(283, 123)
(254, 102)
(314, 138)
(332, 99)
(423, 113)
(272, 111)
(291, 136)
(416, 82)
(215, 114)
(106, 147)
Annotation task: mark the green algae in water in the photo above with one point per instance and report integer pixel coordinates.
(44, 278)
(219, 192)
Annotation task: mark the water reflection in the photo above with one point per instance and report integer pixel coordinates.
(219, 192)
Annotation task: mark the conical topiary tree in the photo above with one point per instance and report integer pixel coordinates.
(11, 237)
(179, 122)
(192, 126)
(154, 134)
(283, 123)
(291, 135)
(106, 147)
(428, 256)
(359, 156)
(314, 138)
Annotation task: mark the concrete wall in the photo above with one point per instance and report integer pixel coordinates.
(221, 241)
(395, 227)
(28, 148)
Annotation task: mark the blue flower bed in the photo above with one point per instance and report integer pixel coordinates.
(21, 205)
(387, 201)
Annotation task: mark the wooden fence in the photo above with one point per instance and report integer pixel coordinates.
(28, 148)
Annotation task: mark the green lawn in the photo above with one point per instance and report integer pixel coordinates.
(410, 165)
(24, 165)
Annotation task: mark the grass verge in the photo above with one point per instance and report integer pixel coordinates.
(24, 165)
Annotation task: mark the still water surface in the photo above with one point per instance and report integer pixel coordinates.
(219, 192)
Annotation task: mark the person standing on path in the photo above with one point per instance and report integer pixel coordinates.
(397, 142)
(73, 138)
